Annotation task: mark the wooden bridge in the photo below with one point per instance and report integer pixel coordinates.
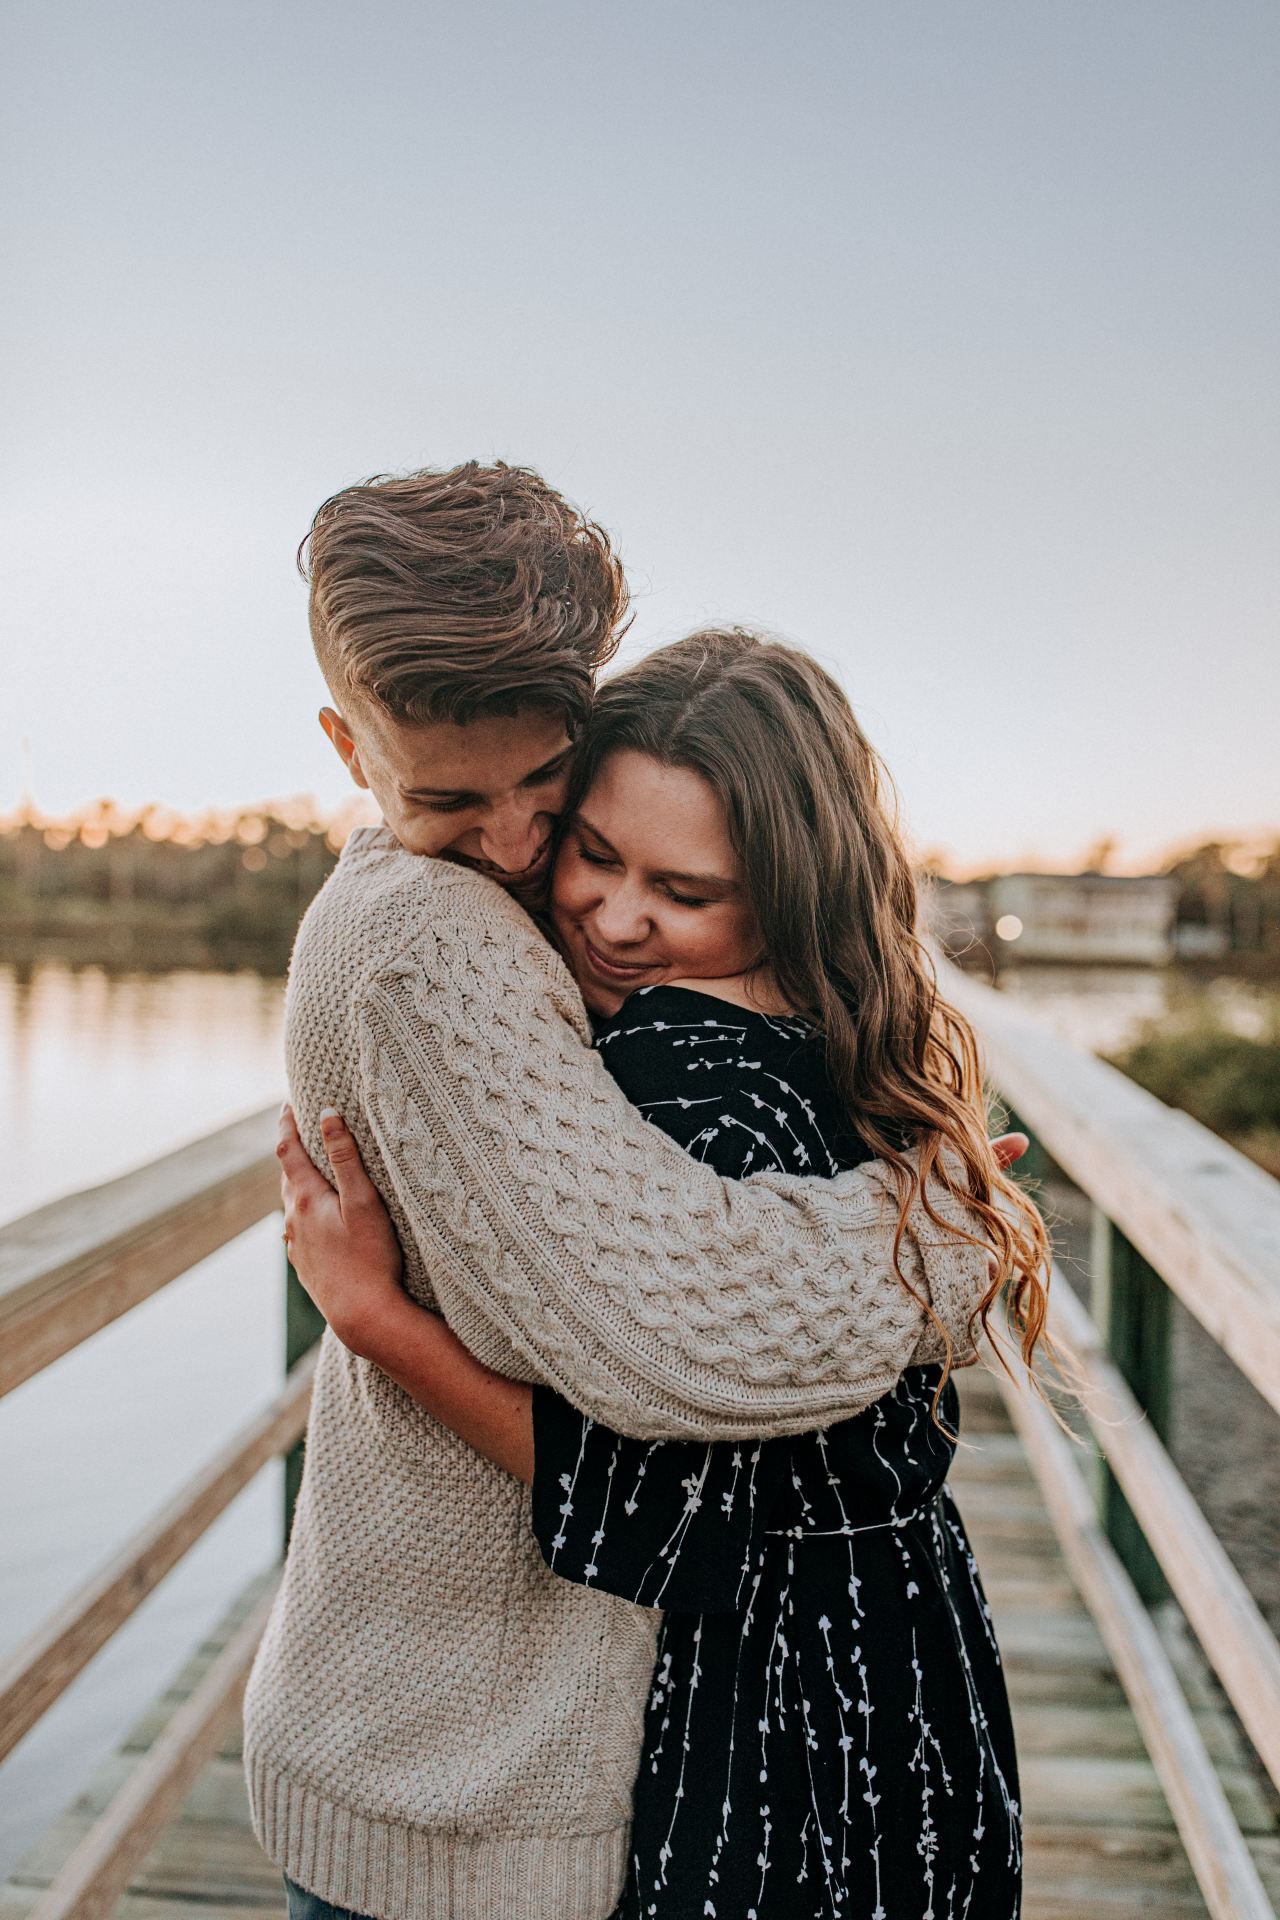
(1145, 1682)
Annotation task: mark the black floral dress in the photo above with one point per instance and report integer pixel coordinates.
(828, 1733)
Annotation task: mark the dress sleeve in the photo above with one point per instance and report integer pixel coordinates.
(671, 1524)
(569, 1240)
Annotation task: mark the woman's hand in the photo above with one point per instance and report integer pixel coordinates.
(343, 1246)
(1008, 1148)
(345, 1252)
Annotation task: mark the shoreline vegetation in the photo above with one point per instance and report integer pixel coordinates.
(1228, 1081)
(155, 891)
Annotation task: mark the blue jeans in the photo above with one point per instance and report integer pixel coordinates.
(309, 1906)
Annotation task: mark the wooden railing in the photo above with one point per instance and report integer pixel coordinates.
(1175, 1212)
(66, 1271)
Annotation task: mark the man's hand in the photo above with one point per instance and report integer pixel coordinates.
(342, 1244)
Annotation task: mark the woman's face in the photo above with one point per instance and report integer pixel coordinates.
(647, 886)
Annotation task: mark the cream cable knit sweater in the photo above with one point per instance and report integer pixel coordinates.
(436, 1727)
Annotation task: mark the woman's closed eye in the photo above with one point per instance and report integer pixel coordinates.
(607, 860)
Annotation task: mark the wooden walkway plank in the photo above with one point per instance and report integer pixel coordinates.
(138, 1822)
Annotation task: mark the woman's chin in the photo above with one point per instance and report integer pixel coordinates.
(604, 1002)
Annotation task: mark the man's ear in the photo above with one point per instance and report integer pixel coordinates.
(345, 747)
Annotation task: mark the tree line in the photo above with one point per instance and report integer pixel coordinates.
(159, 888)
(235, 884)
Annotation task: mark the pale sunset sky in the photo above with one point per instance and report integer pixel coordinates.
(940, 339)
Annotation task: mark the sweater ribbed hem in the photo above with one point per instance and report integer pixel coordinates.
(407, 1873)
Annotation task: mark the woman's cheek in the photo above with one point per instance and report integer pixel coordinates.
(566, 893)
(705, 945)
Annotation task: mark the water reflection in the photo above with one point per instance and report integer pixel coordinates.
(1104, 1008)
(100, 1072)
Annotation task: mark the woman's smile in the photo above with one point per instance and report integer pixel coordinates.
(609, 971)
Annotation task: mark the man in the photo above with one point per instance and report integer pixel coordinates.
(437, 1728)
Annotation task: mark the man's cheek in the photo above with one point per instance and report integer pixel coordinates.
(416, 835)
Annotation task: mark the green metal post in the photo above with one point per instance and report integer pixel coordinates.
(303, 1325)
(1134, 1313)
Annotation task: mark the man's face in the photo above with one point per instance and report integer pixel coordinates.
(486, 794)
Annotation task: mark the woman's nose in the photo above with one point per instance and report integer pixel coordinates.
(620, 918)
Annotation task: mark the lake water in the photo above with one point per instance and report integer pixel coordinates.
(100, 1073)
(1103, 1008)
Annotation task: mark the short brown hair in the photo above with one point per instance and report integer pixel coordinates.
(443, 594)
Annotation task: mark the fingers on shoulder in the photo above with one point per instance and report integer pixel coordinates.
(289, 1145)
(345, 1159)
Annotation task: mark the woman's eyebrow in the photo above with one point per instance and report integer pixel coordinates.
(715, 881)
(580, 820)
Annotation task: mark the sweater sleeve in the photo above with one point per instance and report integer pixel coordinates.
(657, 1297)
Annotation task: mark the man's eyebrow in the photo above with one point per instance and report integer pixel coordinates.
(438, 793)
(548, 767)
(544, 772)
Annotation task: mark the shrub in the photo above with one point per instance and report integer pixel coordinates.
(1226, 1080)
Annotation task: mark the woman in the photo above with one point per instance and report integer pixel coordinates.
(828, 1732)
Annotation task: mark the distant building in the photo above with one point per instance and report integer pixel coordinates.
(1195, 941)
(957, 915)
(1098, 917)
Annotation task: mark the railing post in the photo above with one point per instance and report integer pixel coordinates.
(1133, 1311)
(303, 1325)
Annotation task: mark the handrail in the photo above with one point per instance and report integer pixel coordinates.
(1204, 1217)
(1223, 1614)
(66, 1271)
(1215, 1846)
(72, 1267)
(33, 1677)
(1206, 1223)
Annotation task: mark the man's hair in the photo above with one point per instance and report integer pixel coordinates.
(441, 595)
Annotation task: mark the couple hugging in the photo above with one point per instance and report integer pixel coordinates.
(659, 1206)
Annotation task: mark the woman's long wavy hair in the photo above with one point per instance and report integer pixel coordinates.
(812, 817)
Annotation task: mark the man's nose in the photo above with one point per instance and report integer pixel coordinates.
(513, 838)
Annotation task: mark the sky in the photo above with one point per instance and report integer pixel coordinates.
(939, 339)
